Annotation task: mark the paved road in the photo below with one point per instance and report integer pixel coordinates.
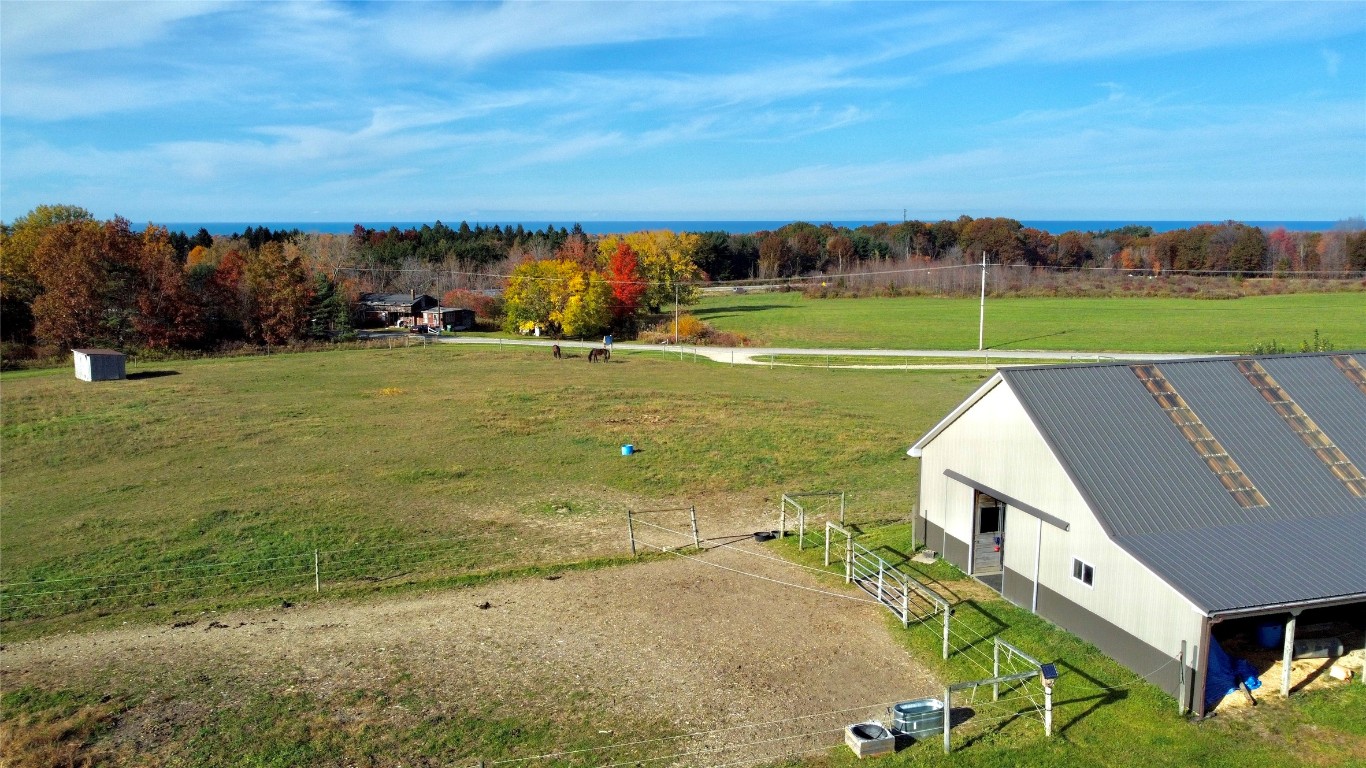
(897, 358)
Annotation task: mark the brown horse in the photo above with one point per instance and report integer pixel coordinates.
(594, 354)
(556, 349)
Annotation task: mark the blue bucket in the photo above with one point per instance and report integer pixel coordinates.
(1271, 635)
(628, 449)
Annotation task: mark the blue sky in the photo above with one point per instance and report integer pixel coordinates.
(683, 110)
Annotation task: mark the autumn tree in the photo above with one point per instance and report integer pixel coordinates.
(665, 263)
(18, 284)
(168, 314)
(627, 287)
(558, 295)
(88, 276)
(279, 295)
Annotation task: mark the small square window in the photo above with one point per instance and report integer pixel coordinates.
(1083, 572)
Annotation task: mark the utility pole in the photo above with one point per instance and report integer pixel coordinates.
(982, 311)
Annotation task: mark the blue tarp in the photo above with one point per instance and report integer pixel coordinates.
(1225, 674)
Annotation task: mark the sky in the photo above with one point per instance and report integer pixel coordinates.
(409, 111)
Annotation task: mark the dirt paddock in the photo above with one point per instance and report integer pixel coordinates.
(674, 641)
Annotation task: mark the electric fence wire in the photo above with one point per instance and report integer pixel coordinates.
(764, 578)
(694, 734)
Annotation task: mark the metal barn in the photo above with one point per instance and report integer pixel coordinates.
(98, 364)
(1146, 507)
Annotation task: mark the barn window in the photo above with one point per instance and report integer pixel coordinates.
(1083, 572)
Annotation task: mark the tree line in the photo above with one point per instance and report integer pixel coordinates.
(67, 279)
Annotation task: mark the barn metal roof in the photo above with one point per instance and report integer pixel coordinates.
(1158, 498)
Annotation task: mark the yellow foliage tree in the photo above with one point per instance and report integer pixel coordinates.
(559, 295)
(667, 262)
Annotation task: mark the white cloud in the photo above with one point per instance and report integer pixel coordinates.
(33, 29)
(472, 34)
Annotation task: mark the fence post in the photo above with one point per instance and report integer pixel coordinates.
(946, 632)
(995, 667)
(631, 529)
(905, 605)
(849, 559)
(1181, 686)
(782, 517)
(948, 708)
(1048, 710)
(841, 507)
(827, 545)
(879, 580)
(317, 575)
(696, 540)
(801, 529)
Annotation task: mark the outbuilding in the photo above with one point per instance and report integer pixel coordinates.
(1151, 507)
(99, 364)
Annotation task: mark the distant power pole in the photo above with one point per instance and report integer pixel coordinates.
(982, 312)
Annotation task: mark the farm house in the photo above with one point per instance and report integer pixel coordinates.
(1148, 508)
(98, 364)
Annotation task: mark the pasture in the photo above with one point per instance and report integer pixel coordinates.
(1082, 324)
(477, 603)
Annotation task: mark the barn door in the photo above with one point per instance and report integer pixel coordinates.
(989, 535)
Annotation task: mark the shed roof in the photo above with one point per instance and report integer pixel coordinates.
(99, 352)
(1158, 498)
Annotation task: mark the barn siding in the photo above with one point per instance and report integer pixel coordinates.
(1130, 613)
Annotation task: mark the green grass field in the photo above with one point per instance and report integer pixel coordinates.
(362, 453)
(228, 462)
(1095, 325)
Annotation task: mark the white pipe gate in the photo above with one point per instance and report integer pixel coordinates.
(897, 590)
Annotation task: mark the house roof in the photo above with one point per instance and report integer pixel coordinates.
(385, 299)
(1156, 494)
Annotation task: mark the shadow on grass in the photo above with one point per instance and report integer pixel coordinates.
(1098, 699)
(723, 311)
(151, 375)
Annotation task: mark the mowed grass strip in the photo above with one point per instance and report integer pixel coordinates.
(1087, 324)
(221, 478)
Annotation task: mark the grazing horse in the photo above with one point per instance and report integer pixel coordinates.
(556, 349)
(594, 354)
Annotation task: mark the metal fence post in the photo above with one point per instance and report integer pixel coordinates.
(631, 529)
(879, 579)
(1181, 685)
(317, 574)
(995, 667)
(841, 507)
(1048, 710)
(827, 545)
(948, 708)
(905, 605)
(946, 634)
(696, 540)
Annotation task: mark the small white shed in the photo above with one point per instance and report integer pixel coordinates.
(98, 364)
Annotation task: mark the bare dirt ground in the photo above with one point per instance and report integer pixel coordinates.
(685, 642)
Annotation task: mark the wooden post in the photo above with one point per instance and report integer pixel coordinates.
(849, 560)
(842, 513)
(317, 575)
(905, 605)
(948, 709)
(696, 539)
(827, 545)
(782, 517)
(631, 529)
(801, 529)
